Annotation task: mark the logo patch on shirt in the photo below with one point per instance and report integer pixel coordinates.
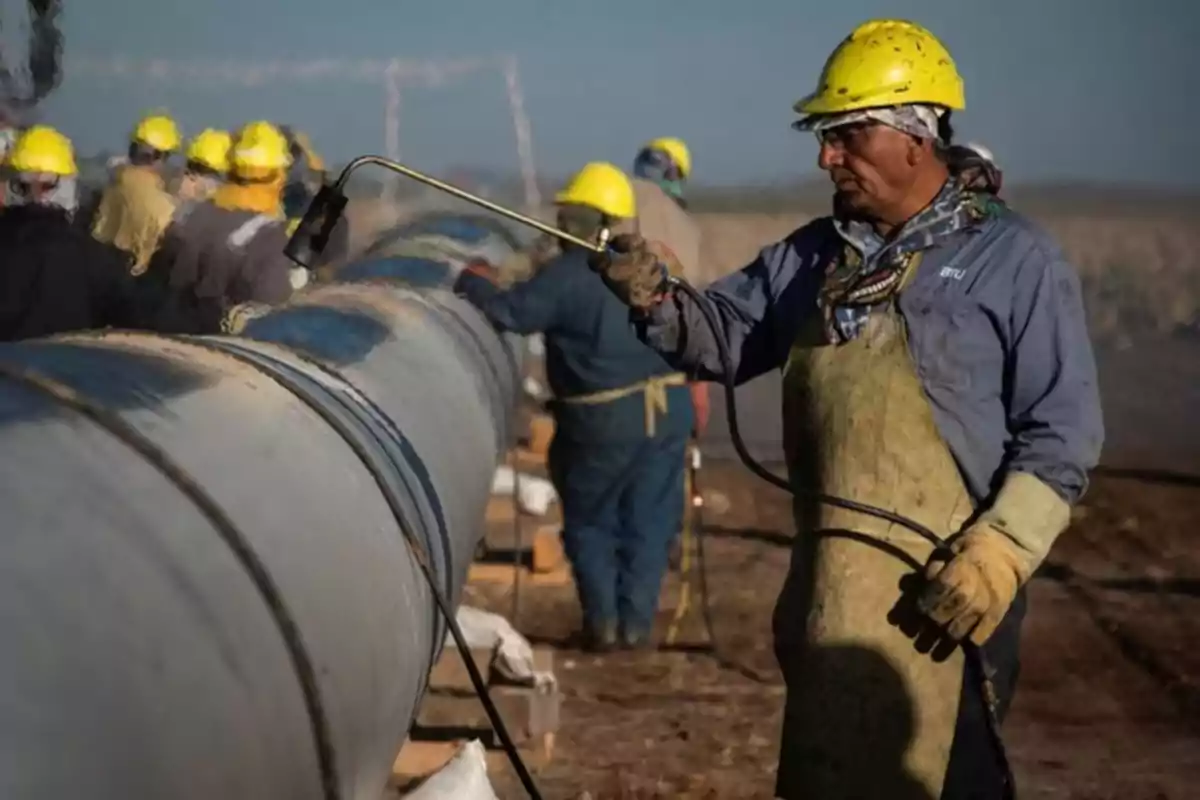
(951, 272)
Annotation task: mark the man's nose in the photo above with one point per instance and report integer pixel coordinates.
(829, 155)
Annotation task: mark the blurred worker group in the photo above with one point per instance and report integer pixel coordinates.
(184, 232)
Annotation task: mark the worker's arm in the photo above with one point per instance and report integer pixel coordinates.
(759, 308)
(531, 306)
(1055, 430)
(262, 273)
(1053, 411)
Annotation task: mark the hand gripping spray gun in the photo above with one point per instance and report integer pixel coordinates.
(309, 241)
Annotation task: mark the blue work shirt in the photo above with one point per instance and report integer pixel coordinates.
(996, 330)
(590, 347)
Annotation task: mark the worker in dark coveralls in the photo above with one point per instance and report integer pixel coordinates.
(54, 277)
(228, 248)
(622, 416)
(937, 364)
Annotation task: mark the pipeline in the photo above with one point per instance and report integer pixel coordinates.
(209, 586)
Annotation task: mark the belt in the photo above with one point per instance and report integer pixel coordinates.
(654, 392)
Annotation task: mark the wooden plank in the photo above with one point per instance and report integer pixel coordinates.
(528, 712)
(505, 574)
(418, 760)
(548, 553)
(450, 673)
(421, 759)
(501, 509)
(541, 432)
(527, 460)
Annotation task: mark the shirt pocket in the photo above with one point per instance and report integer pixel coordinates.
(955, 345)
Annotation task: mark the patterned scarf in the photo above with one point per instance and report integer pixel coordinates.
(868, 269)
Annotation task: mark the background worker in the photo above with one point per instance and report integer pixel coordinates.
(661, 171)
(937, 364)
(56, 278)
(621, 413)
(206, 166)
(135, 209)
(229, 249)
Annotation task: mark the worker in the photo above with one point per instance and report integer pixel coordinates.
(230, 248)
(666, 162)
(621, 415)
(936, 363)
(135, 209)
(206, 166)
(306, 174)
(661, 171)
(57, 278)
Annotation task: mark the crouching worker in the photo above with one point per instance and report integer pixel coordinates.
(56, 277)
(622, 417)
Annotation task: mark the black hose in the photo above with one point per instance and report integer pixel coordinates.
(977, 661)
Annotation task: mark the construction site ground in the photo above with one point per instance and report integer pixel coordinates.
(1108, 704)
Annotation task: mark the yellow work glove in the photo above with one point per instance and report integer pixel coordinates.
(632, 270)
(970, 593)
(235, 319)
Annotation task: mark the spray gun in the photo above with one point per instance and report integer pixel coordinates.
(311, 236)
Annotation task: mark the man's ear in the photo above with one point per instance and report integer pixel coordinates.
(919, 150)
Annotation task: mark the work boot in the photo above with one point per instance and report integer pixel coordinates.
(599, 638)
(638, 641)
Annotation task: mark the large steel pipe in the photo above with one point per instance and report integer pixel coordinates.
(205, 587)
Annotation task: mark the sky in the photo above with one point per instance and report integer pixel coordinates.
(1097, 90)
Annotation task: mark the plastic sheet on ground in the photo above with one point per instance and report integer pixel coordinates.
(513, 652)
(534, 495)
(464, 777)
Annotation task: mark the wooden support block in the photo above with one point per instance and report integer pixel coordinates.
(505, 574)
(501, 509)
(450, 673)
(527, 460)
(541, 431)
(420, 759)
(528, 712)
(548, 554)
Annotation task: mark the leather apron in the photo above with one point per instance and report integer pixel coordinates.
(867, 715)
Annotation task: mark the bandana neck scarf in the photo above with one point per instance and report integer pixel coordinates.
(867, 270)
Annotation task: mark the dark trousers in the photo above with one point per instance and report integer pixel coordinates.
(622, 504)
(974, 771)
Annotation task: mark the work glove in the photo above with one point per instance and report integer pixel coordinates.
(632, 270)
(235, 319)
(970, 593)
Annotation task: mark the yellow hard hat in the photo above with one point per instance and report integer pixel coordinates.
(676, 149)
(158, 131)
(601, 186)
(43, 149)
(886, 62)
(259, 151)
(211, 149)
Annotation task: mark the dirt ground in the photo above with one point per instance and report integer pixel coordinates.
(1108, 704)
